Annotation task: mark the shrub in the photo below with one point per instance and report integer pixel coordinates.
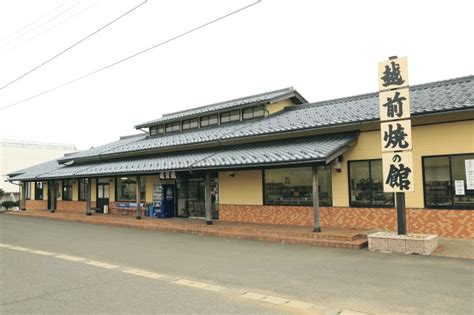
(8, 204)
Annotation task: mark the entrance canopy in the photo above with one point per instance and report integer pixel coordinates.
(316, 149)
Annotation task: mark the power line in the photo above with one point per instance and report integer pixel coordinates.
(73, 45)
(133, 55)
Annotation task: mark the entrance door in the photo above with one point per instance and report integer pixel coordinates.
(167, 200)
(52, 195)
(102, 195)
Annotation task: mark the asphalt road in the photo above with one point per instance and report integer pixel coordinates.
(332, 279)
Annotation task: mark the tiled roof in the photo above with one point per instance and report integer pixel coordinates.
(248, 100)
(281, 152)
(443, 96)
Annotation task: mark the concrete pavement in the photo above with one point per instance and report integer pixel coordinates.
(333, 279)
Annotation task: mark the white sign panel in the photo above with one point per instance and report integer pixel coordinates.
(397, 171)
(469, 174)
(459, 187)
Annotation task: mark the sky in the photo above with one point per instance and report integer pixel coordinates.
(324, 49)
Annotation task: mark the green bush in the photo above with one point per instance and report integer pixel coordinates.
(9, 204)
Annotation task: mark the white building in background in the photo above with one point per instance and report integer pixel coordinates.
(16, 154)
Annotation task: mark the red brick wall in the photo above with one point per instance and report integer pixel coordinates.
(36, 204)
(74, 206)
(449, 223)
(126, 211)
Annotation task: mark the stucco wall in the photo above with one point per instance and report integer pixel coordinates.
(244, 188)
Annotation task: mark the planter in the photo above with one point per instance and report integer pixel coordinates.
(423, 244)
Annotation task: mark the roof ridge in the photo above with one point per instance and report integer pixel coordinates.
(374, 94)
(289, 89)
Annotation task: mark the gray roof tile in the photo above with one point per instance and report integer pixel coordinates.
(282, 152)
(248, 100)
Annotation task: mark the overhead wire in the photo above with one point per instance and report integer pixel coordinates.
(194, 29)
(72, 46)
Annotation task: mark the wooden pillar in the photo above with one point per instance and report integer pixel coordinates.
(207, 199)
(23, 196)
(88, 195)
(54, 196)
(138, 214)
(316, 224)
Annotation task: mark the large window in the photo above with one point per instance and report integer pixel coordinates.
(366, 185)
(173, 127)
(209, 120)
(294, 186)
(27, 190)
(126, 188)
(82, 189)
(156, 130)
(67, 189)
(252, 112)
(190, 124)
(445, 182)
(230, 116)
(38, 190)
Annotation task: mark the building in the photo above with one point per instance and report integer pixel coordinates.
(266, 158)
(16, 154)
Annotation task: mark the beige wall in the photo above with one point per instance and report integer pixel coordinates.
(112, 189)
(75, 190)
(149, 187)
(244, 188)
(438, 139)
(276, 107)
(93, 189)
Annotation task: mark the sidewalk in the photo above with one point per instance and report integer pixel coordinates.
(329, 237)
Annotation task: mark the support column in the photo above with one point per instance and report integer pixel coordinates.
(88, 196)
(207, 199)
(23, 197)
(54, 200)
(138, 214)
(316, 224)
(401, 214)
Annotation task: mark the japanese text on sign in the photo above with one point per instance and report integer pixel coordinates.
(398, 171)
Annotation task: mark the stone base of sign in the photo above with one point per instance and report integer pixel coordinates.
(423, 244)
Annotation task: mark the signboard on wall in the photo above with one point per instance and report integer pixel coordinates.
(469, 164)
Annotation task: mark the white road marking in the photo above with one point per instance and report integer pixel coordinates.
(295, 304)
(41, 252)
(101, 264)
(23, 249)
(143, 273)
(71, 258)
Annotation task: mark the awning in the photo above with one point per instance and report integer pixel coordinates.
(317, 149)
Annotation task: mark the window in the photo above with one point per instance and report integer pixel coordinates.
(441, 174)
(82, 189)
(230, 116)
(253, 112)
(39, 191)
(27, 190)
(173, 127)
(156, 130)
(209, 120)
(126, 188)
(294, 186)
(67, 189)
(190, 124)
(366, 185)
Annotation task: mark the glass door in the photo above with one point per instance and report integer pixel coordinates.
(102, 194)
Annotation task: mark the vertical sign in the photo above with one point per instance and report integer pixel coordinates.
(395, 127)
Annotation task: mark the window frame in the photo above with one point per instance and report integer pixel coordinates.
(351, 205)
(293, 205)
(253, 109)
(173, 126)
(452, 207)
(36, 190)
(116, 180)
(208, 118)
(79, 182)
(27, 190)
(159, 130)
(230, 115)
(69, 188)
(188, 122)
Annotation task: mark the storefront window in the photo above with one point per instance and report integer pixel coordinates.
(82, 189)
(27, 190)
(445, 182)
(294, 186)
(191, 191)
(126, 188)
(67, 189)
(366, 185)
(39, 191)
